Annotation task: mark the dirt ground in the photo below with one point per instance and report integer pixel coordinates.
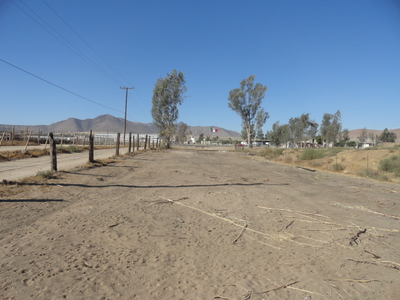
(199, 224)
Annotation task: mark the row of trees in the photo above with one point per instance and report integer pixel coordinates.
(303, 128)
(246, 101)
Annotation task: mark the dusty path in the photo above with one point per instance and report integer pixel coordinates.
(200, 225)
(22, 168)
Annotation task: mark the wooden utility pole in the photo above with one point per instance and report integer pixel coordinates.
(126, 106)
(91, 147)
(117, 145)
(53, 153)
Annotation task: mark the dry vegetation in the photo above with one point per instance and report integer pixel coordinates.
(357, 162)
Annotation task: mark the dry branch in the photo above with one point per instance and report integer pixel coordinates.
(352, 280)
(354, 239)
(294, 211)
(280, 287)
(243, 229)
(388, 264)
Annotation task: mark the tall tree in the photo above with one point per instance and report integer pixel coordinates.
(246, 102)
(182, 132)
(279, 134)
(331, 126)
(302, 128)
(387, 136)
(168, 93)
(363, 135)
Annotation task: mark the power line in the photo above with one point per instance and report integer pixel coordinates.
(74, 50)
(57, 86)
(84, 41)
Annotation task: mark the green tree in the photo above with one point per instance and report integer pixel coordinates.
(168, 93)
(387, 136)
(363, 135)
(279, 134)
(201, 138)
(182, 132)
(246, 102)
(331, 126)
(302, 128)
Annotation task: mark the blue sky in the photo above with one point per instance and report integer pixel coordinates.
(314, 56)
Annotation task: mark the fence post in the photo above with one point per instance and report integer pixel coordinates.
(117, 145)
(91, 147)
(133, 143)
(130, 142)
(12, 135)
(138, 142)
(27, 141)
(53, 153)
(145, 143)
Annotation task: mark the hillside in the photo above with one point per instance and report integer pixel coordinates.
(355, 133)
(111, 124)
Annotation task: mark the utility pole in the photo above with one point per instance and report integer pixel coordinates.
(126, 106)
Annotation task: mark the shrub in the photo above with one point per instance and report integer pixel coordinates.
(374, 174)
(310, 154)
(390, 164)
(46, 174)
(338, 167)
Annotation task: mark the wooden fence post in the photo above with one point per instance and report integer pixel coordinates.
(138, 142)
(145, 143)
(27, 141)
(91, 147)
(12, 135)
(53, 153)
(117, 145)
(133, 143)
(130, 142)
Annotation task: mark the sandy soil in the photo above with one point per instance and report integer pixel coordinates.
(199, 225)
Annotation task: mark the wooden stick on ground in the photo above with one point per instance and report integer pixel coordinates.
(243, 229)
(280, 287)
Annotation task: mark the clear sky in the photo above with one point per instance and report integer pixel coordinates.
(315, 56)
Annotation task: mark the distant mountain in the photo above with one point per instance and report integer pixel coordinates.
(108, 123)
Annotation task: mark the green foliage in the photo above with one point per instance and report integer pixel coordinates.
(351, 144)
(330, 127)
(279, 134)
(271, 152)
(46, 174)
(201, 138)
(167, 95)
(246, 102)
(391, 164)
(310, 154)
(387, 136)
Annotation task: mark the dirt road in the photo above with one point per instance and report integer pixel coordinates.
(200, 225)
(22, 168)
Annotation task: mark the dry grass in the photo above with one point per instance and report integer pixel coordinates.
(356, 162)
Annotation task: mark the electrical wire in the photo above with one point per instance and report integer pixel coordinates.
(61, 88)
(81, 38)
(74, 49)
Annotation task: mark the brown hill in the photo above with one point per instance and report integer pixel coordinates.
(355, 133)
(111, 124)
